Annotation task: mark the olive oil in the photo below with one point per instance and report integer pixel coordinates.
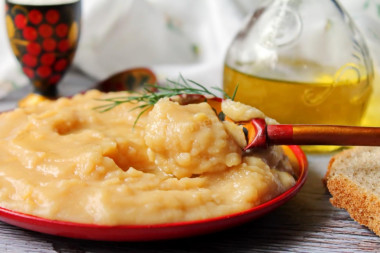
(324, 101)
(372, 115)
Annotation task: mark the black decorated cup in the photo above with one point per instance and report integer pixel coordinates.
(44, 39)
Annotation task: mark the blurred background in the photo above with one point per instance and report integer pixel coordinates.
(169, 36)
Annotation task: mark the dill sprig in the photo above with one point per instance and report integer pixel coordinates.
(152, 93)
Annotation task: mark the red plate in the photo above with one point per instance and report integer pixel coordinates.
(158, 231)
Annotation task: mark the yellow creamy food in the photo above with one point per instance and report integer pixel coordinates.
(64, 160)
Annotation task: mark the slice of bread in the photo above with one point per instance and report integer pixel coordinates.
(353, 179)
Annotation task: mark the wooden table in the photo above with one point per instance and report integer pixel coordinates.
(307, 223)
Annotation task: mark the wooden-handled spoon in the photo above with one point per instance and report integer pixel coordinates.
(259, 135)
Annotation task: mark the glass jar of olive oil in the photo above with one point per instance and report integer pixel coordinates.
(301, 62)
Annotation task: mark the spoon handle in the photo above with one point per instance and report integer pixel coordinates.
(323, 135)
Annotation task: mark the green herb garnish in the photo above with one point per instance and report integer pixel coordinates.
(152, 93)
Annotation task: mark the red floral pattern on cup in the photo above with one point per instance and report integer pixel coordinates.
(60, 65)
(20, 21)
(44, 71)
(30, 33)
(44, 39)
(29, 72)
(33, 48)
(61, 30)
(52, 16)
(47, 59)
(45, 30)
(35, 17)
(49, 44)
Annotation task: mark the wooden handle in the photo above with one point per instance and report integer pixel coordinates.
(323, 135)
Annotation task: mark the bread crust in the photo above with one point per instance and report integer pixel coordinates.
(362, 205)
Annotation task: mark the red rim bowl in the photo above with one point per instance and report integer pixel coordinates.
(159, 231)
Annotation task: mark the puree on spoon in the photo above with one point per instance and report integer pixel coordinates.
(63, 160)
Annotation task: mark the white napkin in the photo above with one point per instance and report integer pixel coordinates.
(170, 36)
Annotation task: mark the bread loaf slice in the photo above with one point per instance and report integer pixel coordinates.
(353, 179)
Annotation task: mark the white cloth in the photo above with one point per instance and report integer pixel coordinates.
(170, 36)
